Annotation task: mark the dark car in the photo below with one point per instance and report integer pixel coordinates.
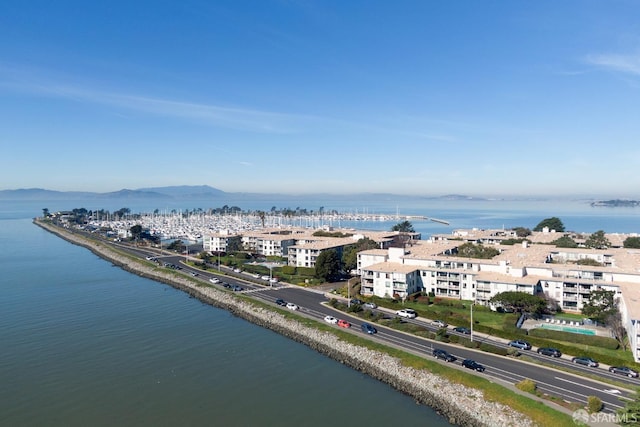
(443, 355)
(369, 329)
(472, 364)
(462, 330)
(587, 361)
(549, 351)
(281, 302)
(237, 288)
(623, 370)
(521, 344)
(357, 301)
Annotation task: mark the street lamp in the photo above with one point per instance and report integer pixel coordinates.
(471, 334)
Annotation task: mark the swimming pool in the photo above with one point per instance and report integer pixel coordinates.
(568, 329)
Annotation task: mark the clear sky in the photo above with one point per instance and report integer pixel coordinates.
(338, 96)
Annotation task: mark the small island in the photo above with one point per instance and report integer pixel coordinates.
(615, 203)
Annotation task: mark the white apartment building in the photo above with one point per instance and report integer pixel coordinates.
(218, 242)
(433, 266)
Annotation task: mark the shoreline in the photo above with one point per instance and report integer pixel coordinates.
(459, 404)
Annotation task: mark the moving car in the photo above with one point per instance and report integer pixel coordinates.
(344, 324)
(407, 313)
(370, 305)
(472, 364)
(438, 353)
(292, 306)
(623, 370)
(462, 330)
(214, 280)
(587, 361)
(330, 319)
(439, 323)
(237, 288)
(280, 301)
(265, 277)
(237, 270)
(521, 344)
(368, 329)
(549, 351)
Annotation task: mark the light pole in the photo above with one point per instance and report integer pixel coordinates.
(471, 334)
(218, 259)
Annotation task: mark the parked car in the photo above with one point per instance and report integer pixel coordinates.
(370, 305)
(549, 351)
(521, 344)
(462, 330)
(368, 329)
(330, 319)
(292, 306)
(623, 370)
(357, 301)
(587, 361)
(407, 313)
(472, 364)
(281, 302)
(344, 324)
(439, 324)
(443, 355)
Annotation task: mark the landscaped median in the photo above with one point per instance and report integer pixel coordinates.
(463, 398)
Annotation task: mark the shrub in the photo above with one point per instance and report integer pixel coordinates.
(594, 404)
(528, 386)
(489, 348)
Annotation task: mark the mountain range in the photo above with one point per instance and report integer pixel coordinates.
(194, 192)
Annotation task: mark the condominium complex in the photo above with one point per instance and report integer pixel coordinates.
(533, 266)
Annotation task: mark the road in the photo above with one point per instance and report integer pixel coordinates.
(570, 386)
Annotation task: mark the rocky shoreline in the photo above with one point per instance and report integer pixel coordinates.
(461, 405)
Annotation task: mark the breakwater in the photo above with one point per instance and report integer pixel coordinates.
(461, 405)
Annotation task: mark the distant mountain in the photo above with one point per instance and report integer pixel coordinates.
(179, 192)
(202, 192)
(187, 191)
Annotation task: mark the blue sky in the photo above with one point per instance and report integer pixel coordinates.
(408, 97)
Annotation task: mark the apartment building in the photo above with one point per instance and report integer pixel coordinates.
(535, 268)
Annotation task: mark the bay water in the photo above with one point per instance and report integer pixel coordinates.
(84, 343)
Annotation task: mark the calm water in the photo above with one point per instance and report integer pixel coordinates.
(84, 343)
(87, 344)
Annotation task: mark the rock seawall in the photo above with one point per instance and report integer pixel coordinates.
(462, 405)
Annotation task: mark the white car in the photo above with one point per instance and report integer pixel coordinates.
(292, 306)
(408, 313)
(214, 280)
(330, 319)
(265, 277)
(439, 324)
(236, 270)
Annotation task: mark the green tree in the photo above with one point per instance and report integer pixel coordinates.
(522, 232)
(470, 250)
(597, 240)
(404, 226)
(350, 253)
(632, 242)
(565, 242)
(519, 301)
(552, 223)
(234, 244)
(630, 414)
(136, 231)
(600, 306)
(328, 266)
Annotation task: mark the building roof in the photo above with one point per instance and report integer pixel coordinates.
(392, 267)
